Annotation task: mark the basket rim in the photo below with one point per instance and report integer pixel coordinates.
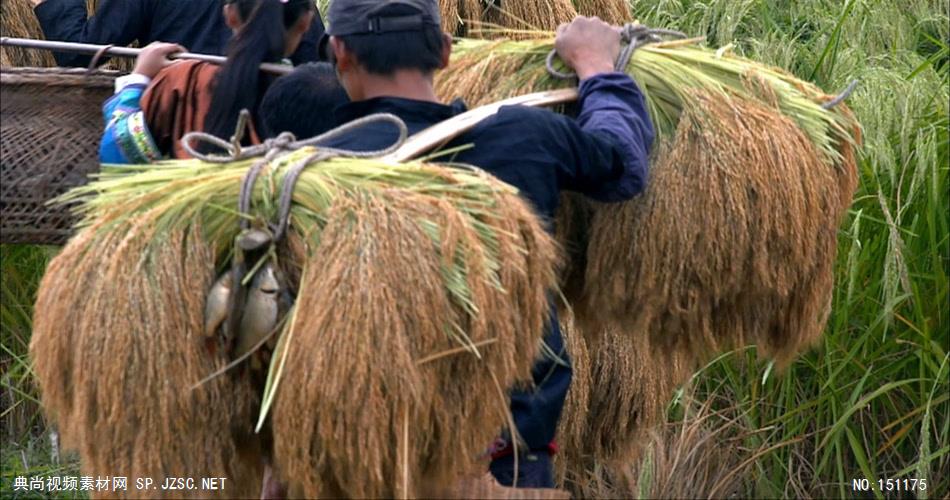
(71, 77)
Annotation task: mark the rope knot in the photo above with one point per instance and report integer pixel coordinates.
(282, 141)
(280, 144)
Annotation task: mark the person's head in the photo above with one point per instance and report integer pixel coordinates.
(383, 37)
(296, 17)
(302, 102)
(264, 31)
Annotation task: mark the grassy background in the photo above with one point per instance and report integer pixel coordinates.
(873, 400)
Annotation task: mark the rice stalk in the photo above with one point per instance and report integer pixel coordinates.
(616, 12)
(621, 387)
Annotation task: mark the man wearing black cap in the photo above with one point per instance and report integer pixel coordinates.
(386, 52)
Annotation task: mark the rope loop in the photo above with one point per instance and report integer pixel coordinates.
(632, 37)
(285, 142)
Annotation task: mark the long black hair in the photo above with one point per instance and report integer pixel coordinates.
(239, 83)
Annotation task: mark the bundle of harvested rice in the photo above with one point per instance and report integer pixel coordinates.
(405, 275)
(524, 18)
(449, 11)
(749, 257)
(733, 240)
(620, 390)
(670, 74)
(509, 19)
(613, 11)
(392, 417)
(116, 355)
(18, 20)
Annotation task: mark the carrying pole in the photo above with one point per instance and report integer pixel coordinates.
(93, 49)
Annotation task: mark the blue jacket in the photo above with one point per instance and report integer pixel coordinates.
(126, 138)
(195, 24)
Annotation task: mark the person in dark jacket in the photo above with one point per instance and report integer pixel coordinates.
(386, 53)
(197, 25)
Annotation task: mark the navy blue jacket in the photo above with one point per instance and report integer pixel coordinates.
(603, 153)
(198, 25)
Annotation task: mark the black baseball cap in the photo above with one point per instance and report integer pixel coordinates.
(360, 17)
(357, 17)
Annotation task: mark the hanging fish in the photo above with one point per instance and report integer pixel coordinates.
(243, 315)
(262, 309)
(225, 302)
(216, 305)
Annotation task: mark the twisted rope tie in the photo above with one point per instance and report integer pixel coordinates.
(284, 143)
(632, 36)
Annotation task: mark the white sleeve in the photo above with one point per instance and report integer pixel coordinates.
(130, 79)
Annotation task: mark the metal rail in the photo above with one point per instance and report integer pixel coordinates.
(93, 49)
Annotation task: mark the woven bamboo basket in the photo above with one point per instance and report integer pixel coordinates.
(50, 124)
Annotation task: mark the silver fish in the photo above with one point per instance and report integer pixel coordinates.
(216, 305)
(261, 310)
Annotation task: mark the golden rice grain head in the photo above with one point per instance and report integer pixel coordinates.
(17, 20)
(748, 259)
(136, 355)
(374, 304)
(616, 12)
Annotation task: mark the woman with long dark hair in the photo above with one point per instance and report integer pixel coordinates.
(163, 100)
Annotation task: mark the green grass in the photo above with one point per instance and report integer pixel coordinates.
(873, 399)
(21, 267)
(26, 450)
(34, 457)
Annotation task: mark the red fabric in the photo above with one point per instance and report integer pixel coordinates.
(176, 102)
